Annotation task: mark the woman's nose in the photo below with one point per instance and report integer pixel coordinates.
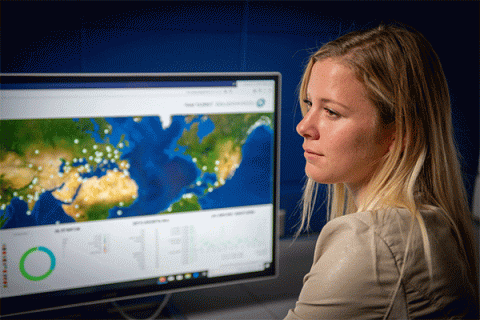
(306, 128)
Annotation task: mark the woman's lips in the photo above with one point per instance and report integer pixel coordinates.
(309, 154)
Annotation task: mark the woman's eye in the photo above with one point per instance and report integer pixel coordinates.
(331, 113)
(308, 104)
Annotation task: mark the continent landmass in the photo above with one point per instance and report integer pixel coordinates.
(219, 152)
(61, 155)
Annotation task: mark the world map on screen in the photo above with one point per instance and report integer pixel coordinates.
(73, 170)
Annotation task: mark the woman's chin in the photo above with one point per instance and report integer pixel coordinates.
(318, 177)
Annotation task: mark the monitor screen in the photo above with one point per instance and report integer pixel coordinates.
(115, 186)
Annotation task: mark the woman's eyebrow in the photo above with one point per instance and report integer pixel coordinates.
(326, 100)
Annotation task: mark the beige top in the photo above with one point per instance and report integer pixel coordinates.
(342, 281)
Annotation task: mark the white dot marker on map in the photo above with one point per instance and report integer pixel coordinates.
(76, 141)
(105, 131)
(95, 147)
(29, 212)
(37, 151)
(119, 212)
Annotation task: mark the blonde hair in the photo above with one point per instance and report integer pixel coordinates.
(404, 80)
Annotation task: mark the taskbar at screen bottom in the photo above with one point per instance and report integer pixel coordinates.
(28, 304)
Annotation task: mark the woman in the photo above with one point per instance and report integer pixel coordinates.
(377, 129)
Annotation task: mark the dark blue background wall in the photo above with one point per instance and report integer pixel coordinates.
(227, 36)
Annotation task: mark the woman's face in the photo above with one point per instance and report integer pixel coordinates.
(343, 140)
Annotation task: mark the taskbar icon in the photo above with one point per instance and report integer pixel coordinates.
(182, 277)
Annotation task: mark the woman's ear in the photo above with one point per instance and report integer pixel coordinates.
(391, 136)
(392, 141)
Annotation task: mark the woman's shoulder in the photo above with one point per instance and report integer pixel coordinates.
(389, 231)
(394, 222)
(395, 227)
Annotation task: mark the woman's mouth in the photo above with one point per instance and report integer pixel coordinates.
(310, 154)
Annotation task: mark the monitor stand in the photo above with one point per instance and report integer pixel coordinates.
(146, 308)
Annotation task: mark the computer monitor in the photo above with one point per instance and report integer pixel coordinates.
(115, 186)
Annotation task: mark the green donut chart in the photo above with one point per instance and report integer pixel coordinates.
(43, 276)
